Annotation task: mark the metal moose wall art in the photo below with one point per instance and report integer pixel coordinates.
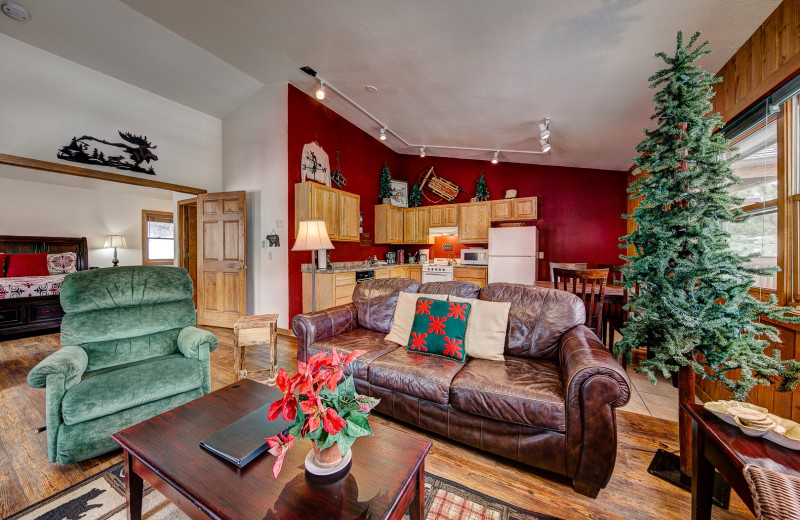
(126, 156)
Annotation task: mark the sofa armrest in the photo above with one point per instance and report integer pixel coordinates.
(310, 328)
(69, 362)
(192, 342)
(594, 385)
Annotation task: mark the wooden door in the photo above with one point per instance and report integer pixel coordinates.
(422, 226)
(395, 225)
(221, 258)
(325, 206)
(349, 212)
(450, 215)
(473, 224)
(437, 216)
(187, 237)
(502, 209)
(524, 209)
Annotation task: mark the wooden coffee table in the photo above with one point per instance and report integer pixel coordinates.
(386, 478)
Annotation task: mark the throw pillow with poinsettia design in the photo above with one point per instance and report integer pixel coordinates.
(439, 328)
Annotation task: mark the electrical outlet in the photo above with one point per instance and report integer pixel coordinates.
(263, 244)
(541, 255)
(279, 223)
(269, 255)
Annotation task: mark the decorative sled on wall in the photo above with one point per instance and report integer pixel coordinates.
(438, 186)
(138, 149)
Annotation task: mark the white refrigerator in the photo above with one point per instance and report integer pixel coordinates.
(512, 254)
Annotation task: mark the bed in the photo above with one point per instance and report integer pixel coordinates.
(30, 305)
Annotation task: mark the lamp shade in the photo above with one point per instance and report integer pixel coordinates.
(115, 241)
(312, 235)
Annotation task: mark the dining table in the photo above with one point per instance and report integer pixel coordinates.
(614, 294)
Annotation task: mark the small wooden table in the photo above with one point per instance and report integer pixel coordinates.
(717, 444)
(250, 331)
(387, 475)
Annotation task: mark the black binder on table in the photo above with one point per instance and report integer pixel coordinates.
(242, 441)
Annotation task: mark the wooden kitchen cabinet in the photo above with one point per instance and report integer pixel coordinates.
(339, 209)
(388, 224)
(506, 210)
(349, 216)
(416, 226)
(415, 273)
(332, 289)
(444, 215)
(474, 219)
(476, 275)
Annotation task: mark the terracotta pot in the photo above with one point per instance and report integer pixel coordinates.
(327, 458)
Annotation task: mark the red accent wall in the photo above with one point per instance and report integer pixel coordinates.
(361, 159)
(579, 209)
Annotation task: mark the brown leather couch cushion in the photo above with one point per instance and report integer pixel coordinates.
(520, 390)
(460, 289)
(538, 317)
(358, 339)
(376, 300)
(418, 375)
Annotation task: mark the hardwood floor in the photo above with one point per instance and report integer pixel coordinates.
(26, 477)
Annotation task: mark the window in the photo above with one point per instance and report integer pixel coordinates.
(158, 238)
(758, 168)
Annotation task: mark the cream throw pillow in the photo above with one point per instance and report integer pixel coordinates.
(486, 328)
(404, 315)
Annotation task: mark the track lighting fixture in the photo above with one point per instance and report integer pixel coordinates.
(544, 128)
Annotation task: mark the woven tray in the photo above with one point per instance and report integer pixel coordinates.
(776, 496)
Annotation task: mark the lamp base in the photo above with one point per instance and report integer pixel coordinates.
(115, 261)
(667, 466)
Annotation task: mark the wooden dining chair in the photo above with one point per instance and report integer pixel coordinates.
(565, 265)
(590, 286)
(614, 317)
(615, 276)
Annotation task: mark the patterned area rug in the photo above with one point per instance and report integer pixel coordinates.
(102, 497)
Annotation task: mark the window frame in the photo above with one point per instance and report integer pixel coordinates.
(146, 239)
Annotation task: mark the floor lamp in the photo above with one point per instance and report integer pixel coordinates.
(312, 235)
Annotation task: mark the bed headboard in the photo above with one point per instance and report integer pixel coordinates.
(23, 244)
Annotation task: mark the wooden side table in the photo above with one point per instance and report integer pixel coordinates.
(723, 446)
(251, 331)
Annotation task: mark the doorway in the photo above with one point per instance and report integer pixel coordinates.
(187, 239)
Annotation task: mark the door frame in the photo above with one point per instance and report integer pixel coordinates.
(185, 231)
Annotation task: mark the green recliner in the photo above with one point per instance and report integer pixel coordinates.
(130, 353)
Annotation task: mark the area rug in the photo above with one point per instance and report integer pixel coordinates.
(102, 497)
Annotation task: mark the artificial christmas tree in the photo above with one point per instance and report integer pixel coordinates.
(689, 299)
(481, 190)
(415, 197)
(386, 185)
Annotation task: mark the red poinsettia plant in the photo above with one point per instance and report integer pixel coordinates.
(324, 408)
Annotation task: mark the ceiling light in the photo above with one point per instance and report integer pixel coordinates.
(495, 157)
(545, 145)
(371, 88)
(544, 132)
(422, 152)
(320, 93)
(15, 11)
(383, 134)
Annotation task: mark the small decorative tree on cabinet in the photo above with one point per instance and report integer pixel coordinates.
(386, 184)
(415, 196)
(693, 310)
(481, 190)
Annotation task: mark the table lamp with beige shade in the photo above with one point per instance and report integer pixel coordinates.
(115, 241)
(312, 235)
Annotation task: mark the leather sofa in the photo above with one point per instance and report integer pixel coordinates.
(550, 404)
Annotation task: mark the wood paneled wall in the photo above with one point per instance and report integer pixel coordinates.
(767, 60)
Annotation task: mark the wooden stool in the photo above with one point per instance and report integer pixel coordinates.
(250, 331)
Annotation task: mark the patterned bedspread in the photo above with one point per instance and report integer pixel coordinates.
(28, 286)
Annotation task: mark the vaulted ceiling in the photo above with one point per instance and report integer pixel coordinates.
(467, 73)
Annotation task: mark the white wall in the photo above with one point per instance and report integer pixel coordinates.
(254, 159)
(42, 209)
(46, 100)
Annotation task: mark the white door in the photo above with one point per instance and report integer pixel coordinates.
(512, 269)
(512, 241)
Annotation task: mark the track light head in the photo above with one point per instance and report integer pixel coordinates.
(545, 145)
(495, 157)
(383, 134)
(422, 152)
(320, 93)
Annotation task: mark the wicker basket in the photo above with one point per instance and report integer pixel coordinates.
(776, 496)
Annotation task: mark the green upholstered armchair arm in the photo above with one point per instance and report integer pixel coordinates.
(69, 362)
(191, 341)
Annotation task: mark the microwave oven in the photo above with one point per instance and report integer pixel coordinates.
(474, 256)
